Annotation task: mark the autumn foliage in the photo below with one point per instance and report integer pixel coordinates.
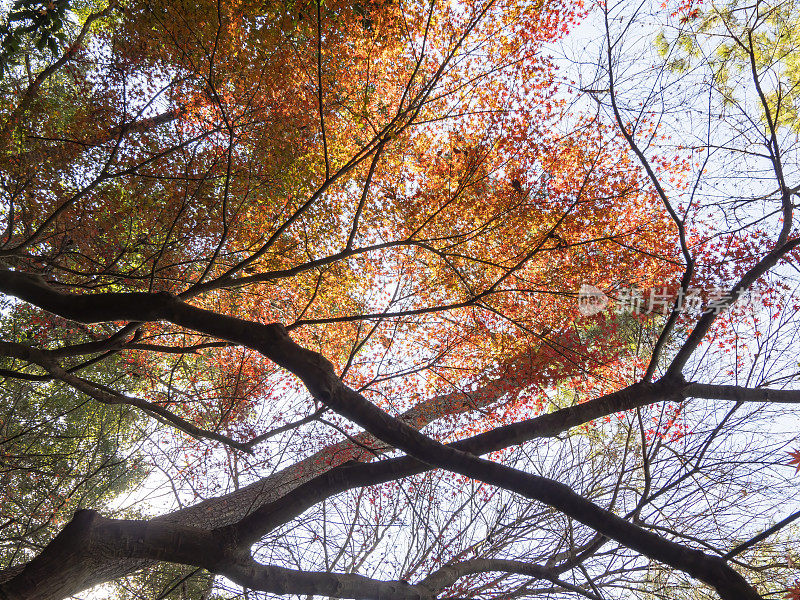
(291, 236)
(208, 170)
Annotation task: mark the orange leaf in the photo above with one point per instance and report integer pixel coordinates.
(793, 593)
(795, 459)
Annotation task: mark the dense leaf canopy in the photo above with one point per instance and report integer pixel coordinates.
(278, 274)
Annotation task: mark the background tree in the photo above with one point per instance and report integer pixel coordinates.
(331, 252)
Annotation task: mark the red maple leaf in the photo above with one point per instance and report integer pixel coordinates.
(793, 593)
(795, 459)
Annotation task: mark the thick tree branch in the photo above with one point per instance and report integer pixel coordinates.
(70, 557)
(741, 394)
(320, 379)
(446, 576)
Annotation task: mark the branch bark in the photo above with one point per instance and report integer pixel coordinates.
(319, 377)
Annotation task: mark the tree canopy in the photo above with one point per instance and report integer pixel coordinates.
(399, 300)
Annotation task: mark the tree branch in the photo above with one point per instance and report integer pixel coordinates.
(319, 377)
(741, 394)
